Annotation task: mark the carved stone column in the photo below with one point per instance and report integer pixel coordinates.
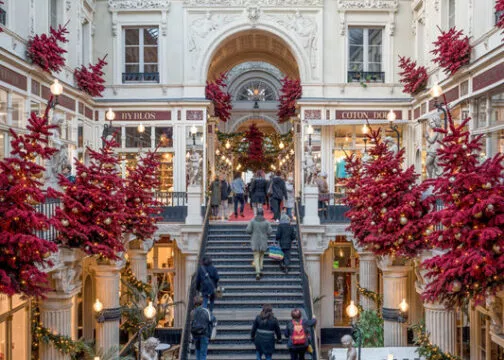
(368, 277)
(137, 256)
(211, 146)
(194, 205)
(441, 324)
(107, 281)
(311, 214)
(395, 289)
(190, 268)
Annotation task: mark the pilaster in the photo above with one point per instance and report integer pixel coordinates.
(138, 262)
(311, 215)
(191, 264)
(368, 277)
(440, 323)
(194, 205)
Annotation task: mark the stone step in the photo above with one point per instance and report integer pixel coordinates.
(251, 356)
(256, 303)
(271, 281)
(242, 252)
(245, 266)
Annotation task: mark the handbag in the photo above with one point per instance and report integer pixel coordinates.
(309, 349)
(275, 253)
(219, 292)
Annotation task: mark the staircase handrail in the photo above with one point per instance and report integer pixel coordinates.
(308, 300)
(184, 341)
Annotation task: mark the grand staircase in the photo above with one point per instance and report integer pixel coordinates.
(229, 248)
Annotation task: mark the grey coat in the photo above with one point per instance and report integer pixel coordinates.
(215, 188)
(260, 230)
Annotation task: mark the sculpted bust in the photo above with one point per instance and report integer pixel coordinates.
(347, 342)
(149, 349)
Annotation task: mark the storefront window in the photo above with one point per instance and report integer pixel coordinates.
(344, 267)
(80, 135)
(3, 137)
(480, 118)
(3, 107)
(14, 327)
(136, 139)
(164, 136)
(166, 173)
(497, 109)
(18, 106)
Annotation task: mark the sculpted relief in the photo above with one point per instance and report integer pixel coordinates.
(263, 3)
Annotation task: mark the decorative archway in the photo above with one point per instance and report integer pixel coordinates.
(246, 118)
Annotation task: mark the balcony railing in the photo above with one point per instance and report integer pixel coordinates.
(498, 15)
(3, 16)
(48, 208)
(171, 198)
(140, 77)
(366, 76)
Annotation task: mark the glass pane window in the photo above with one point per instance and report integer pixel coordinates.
(53, 13)
(3, 107)
(80, 135)
(2, 145)
(451, 13)
(18, 108)
(365, 49)
(135, 139)
(141, 52)
(164, 136)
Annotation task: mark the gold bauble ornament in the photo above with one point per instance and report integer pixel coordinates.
(457, 236)
(428, 232)
(383, 195)
(10, 178)
(108, 221)
(486, 186)
(84, 175)
(400, 240)
(403, 220)
(75, 210)
(496, 249)
(16, 167)
(390, 219)
(137, 200)
(65, 222)
(456, 286)
(46, 255)
(478, 215)
(490, 207)
(383, 210)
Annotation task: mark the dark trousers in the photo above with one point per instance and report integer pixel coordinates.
(238, 198)
(275, 206)
(286, 259)
(297, 354)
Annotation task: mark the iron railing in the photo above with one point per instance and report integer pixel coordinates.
(184, 344)
(139, 77)
(307, 296)
(171, 198)
(366, 76)
(48, 208)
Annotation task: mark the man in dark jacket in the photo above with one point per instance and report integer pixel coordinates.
(277, 194)
(225, 191)
(201, 328)
(258, 190)
(207, 281)
(285, 235)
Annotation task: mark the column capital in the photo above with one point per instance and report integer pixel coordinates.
(107, 270)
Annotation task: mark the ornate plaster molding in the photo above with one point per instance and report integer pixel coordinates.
(253, 3)
(368, 4)
(138, 4)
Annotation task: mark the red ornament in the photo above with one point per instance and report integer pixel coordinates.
(216, 92)
(413, 77)
(471, 221)
(499, 7)
(452, 50)
(255, 158)
(91, 81)
(45, 50)
(99, 195)
(23, 252)
(291, 92)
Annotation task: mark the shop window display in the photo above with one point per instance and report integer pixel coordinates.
(164, 136)
(166, 173)
(136, 139)
(14, 325)
(18, 109)
(497, 116)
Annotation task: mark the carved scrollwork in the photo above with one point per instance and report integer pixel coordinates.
(138, 4)
(368, 4)
(257, 3)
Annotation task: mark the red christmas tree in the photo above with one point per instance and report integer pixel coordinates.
(291, 92)
(23, 251)
(91, 81)
(413, 77)
(499, 7)
(452, 50)
(45, 50)
(216, 92)
(93, 212)
(140, 203)
(255, 155)
(391, 213)
(472, 221)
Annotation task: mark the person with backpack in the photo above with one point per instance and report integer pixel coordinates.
(298, 334)
(260, 229)
(263, 333)
(207, 282)
(285, 235)
(201, 328)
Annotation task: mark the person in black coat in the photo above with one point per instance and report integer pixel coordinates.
(207, 281)
(263, 333)
(225, 190)
(258, 190)
(297, 351)
(285, 235)
(278, 193)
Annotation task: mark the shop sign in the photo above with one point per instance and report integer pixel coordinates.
(142, 115)
(13, 78)
(365, 114)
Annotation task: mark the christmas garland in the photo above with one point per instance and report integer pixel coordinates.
(45, 50)
(91, 81)
(130, 279)
(291, 92)
(216, 92)
(426, 348)
(499, 7)
(64, 344)
(413, 77)
(452, 50)
(377, 298)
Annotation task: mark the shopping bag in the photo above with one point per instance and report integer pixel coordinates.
(275, 253)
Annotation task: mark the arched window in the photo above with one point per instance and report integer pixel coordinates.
(256, 90)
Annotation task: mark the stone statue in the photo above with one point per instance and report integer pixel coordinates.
(55, 165)
(433, 138)
(494, 306)
(194, 167)
(149, 349)
(347, 341)
(310, 167)
(391, 145)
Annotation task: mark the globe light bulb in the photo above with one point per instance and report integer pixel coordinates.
(97, 306)
(193, 130)
(365, 129)
(281, 145)
(403, 306)
(149, 311)
(436, 91)
(391, 116)
(352, 310)
(228, 144)
(110, 115)
(56, 88)
(141, 128)
(309, 130)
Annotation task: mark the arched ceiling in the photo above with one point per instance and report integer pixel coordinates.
(265, 126)
(253, 45)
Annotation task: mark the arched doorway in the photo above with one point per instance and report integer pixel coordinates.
(88, 322)
(255, 62)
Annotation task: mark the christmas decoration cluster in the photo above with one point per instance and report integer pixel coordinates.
(291, 91)
(90, 79)
(413, 77)
(221, 99)
(499, 8)
(45, 50)
(452, 50)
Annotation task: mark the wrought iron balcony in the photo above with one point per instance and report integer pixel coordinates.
(140, 77)
(366, 76)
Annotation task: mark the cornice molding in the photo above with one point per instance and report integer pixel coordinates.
(115, 5)
(390, 5)
(257, 3)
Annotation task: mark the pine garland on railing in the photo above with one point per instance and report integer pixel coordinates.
(64, 344)
(377, 298)
(426, 348)
(132, 280)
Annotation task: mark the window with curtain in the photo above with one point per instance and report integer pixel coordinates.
(365, 53)
(141, 54)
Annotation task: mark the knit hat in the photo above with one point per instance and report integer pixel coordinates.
(284, 219)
